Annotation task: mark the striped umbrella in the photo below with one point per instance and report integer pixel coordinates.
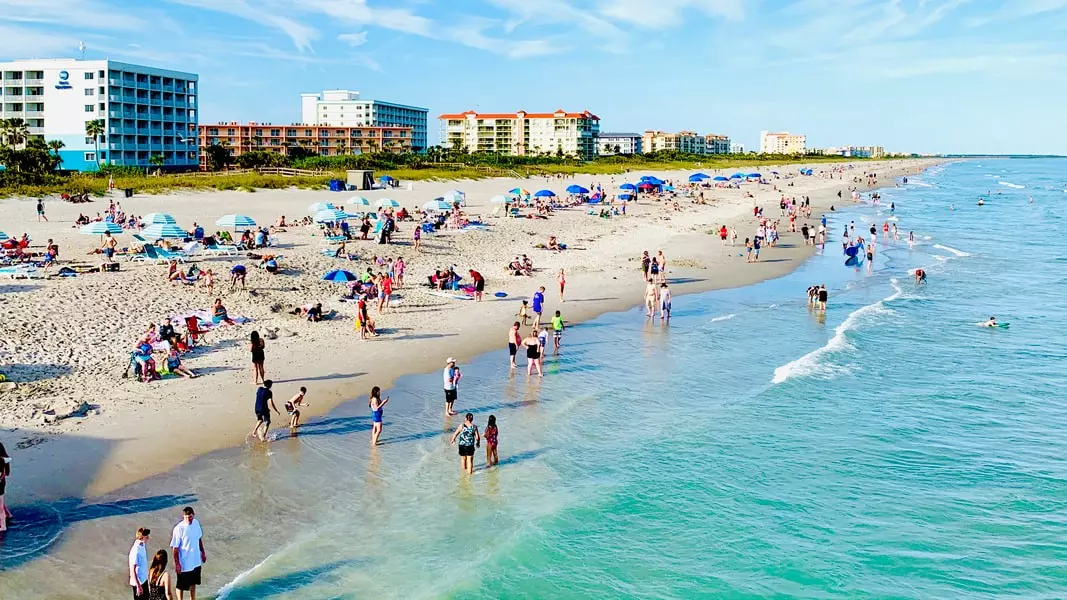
(3, 237)
(331, 216)
(502, 199)
(439, 205)
(158, 219)
(161, 231)
(100, 228)
(358, 201)
(319, 207)
(454, 196)
(236, 222)
(388, 203)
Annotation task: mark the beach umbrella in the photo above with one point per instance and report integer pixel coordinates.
(97, 228)
(236, 222)
(158, 219)
(737, 176)
(373, 216)
(339, 276)
(576, 189)
(163, 231)
(519, 192)
(3, 237)
(697, 178)
(755, 176)
(439, 205)
(356, 201)
(721, 178)
(387, 203)
(501, 199)
(331, 216)
(647, 186)
(628, 186)
(454, 196)
(544, 194)
(626, 197)
(321, 206)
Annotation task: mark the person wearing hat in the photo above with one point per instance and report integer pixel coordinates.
(451, 380)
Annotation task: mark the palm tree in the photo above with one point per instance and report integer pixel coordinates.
(342, 147)
(95, 129)
(156, 160)
(56, 146)
(15, 132)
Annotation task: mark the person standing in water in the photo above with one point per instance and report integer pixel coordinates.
(467, 436)
(514, 340)
(823, 297)
(870, 255)
(532, 343)
(491, 433)
(264, 397)
(557, 329)
(651, 299)
(377, 406)
(451, 377)
(293, 406)
(187, 541)
(664, 302)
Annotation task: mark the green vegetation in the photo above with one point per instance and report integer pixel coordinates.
(31, 170)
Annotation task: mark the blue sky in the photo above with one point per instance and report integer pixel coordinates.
(910, 75)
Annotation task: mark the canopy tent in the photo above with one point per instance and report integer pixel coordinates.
(163, 231)
(648, 186)
(652, 180)
(626, 197)
(576, 189)
(236, 222)
(158, 219)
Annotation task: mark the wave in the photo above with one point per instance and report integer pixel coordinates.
(920, 183)
(224, 591)
(723, 318)
(810, 363)
(1011, 185)
(959, 253)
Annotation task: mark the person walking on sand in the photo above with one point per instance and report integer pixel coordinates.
(514, 340)
(138, 564)
(258, 346)
(451, 377)
(532, 343)
(538, 302)
(561, 278)
(293, 406)
(108, 246)
(187, 542)
(467, 436)
(40, 210)
(264, 398)
(491, 433)
(377, 406)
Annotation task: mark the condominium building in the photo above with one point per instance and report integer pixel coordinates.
(737, 148)
(523, 133)
(146, 111)
(716, 144)
(620, 143)
(854, 151)
(239, 138)
(344, 108)
(782, 143)
(686, 141)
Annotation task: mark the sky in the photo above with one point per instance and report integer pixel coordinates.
(945, 76)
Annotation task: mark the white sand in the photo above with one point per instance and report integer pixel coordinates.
(68, 340)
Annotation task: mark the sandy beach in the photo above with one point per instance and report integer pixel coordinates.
(65, 341)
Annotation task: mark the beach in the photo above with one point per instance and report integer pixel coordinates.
(68, 340)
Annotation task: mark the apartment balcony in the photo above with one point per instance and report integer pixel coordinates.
(35, 130)
(28, 82)
(168, 88)
(34, 114)
(156, 86)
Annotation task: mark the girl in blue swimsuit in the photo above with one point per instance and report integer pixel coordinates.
(376, 409)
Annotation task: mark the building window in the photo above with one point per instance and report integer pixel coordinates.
(89, 75)
(90, 157)
(88, 91)
(89, 108)
(88, 140)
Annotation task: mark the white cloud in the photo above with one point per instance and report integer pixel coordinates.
(70, 13)
(300, 34)
(667, 13)
(354, 39)
(22, 42)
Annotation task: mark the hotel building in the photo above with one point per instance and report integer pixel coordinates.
(146, 111)
(239, 138)
(737, 148)
(782, 143)
(688, 142)
(523, 133)
(343, 108)
(620, 143)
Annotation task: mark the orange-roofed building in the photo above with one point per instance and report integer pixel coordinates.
(522, 133)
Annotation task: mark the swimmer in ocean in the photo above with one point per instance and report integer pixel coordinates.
(920, 276)
(992, 322)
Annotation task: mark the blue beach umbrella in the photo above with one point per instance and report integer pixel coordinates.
(158, 219)
(720, 178)
(737, 176)
(236, 222)
(626, 197)
(163, 231)
(339, 276)
(97, 228)
(755, 176)
(628, 186)
(697, 178)
(544, 194)
(576, 189)
(321, 206)
(331, 216)
(387, 203)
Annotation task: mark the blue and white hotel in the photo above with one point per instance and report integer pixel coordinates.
(146, 111)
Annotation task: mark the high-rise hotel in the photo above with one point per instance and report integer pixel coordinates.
(523, 133)
(146, 111)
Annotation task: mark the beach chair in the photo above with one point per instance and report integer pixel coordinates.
(222, 250)
(192, 325)
(150, 254)
(333, 240)
(21, 272)
(169, 256)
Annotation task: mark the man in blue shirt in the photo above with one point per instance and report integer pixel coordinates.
(538, 303)
(264, 397)
(198, 232)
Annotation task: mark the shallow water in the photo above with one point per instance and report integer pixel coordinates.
(891, 448)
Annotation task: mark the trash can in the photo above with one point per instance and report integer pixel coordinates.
(129, 192)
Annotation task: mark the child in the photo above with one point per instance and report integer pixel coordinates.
(490, 434)
(524, 312)
(557, 328)
(293, 407)
(209, 282)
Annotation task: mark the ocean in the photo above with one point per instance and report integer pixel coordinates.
(889, 448)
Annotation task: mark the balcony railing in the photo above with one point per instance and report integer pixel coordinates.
(34, 114)
(29, 82)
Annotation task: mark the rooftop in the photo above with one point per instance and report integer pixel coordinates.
(559, 114)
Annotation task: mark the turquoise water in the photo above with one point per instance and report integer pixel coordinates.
(891, 449)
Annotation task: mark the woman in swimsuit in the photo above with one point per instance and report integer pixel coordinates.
(376, 405)
(533, 353)
(257, 345)
(562, 279)
(468, 437)
(491, 432)
(159, 582)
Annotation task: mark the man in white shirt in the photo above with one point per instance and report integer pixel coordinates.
(189, 553)
(139, 565)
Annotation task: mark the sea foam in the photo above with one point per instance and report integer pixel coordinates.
(811, 363)
(959, 253)
(1011, 185)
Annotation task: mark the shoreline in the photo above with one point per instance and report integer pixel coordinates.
(127, 447)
